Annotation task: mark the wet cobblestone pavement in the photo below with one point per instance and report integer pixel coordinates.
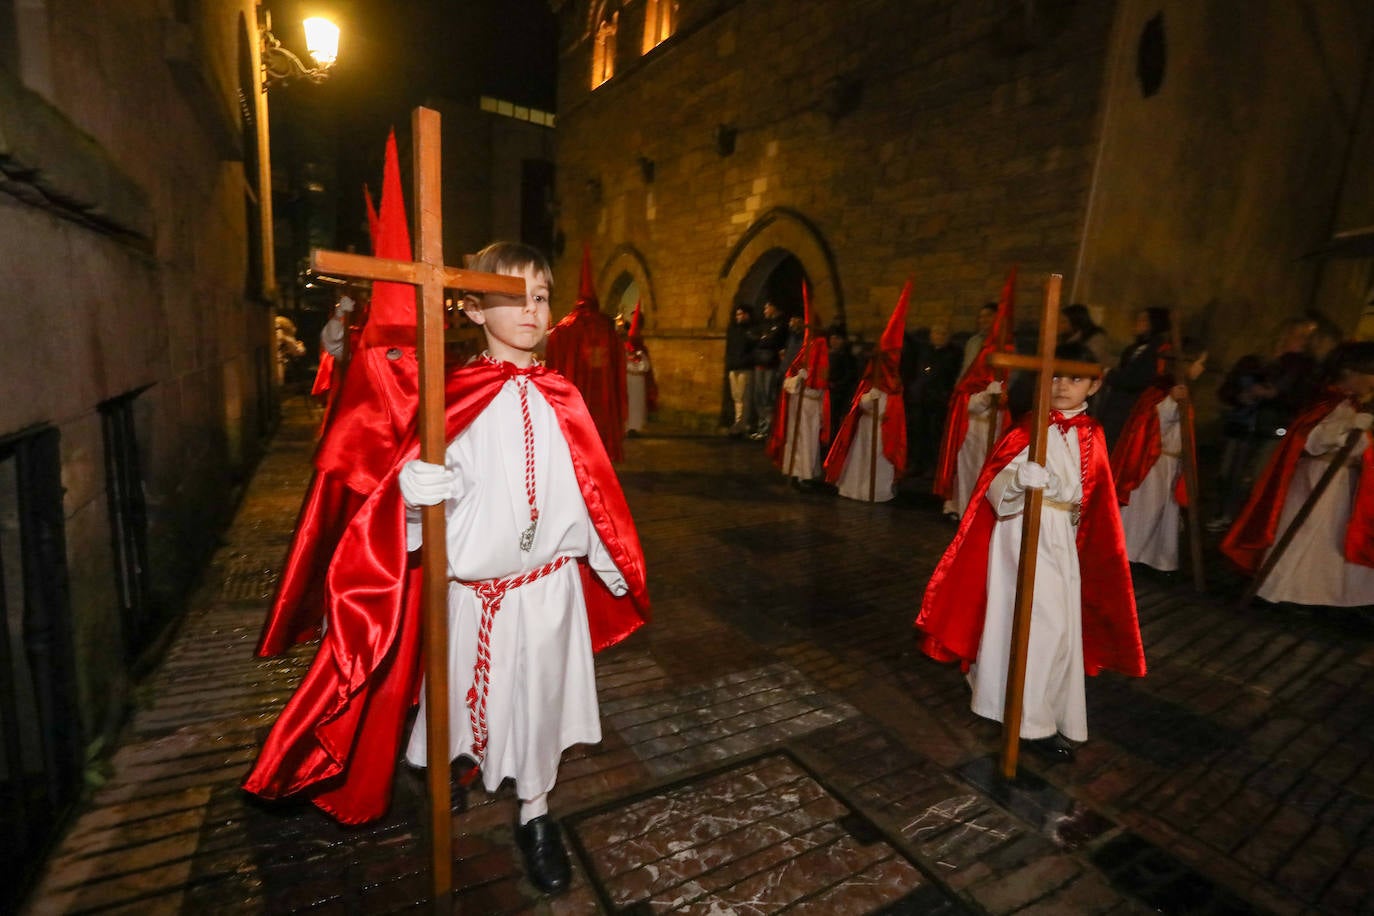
(773, 742)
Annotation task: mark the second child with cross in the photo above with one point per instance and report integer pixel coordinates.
(1035, 589)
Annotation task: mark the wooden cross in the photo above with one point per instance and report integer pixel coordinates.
(430, 277)
(1046, 367)
(1188, 458)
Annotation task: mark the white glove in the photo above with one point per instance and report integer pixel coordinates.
(1032, 476)
(426, 484)
(994, 387)
(872, 394)
(344, 307)
(801, 374)
(332, 337)
(792, 385)
(1362, 421)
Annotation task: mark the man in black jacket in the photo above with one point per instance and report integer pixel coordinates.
(739, 366)
(768, 347)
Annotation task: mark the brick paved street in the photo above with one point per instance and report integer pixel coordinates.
(773, 741)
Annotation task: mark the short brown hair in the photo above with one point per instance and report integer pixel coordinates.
(510, 258)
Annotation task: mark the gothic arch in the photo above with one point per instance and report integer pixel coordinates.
(626, 259)
(776, 233)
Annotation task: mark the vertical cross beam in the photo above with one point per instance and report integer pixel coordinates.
(1045, 366)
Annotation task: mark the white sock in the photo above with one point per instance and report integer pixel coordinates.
(530, 808)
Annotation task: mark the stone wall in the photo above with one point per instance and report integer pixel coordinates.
(948, 140)
(873, 141)
(124, 245)
(1211, 190)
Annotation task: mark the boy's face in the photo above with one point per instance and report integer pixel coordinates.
(741, 316)
(1069, 392)
(515, 326)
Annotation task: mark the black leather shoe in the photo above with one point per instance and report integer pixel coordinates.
(1055, 748)
(546, 861)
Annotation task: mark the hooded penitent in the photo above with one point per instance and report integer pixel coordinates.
(368, 418)
(884, 374)
(585, 349)
(974, 380)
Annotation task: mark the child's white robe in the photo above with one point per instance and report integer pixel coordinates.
(973, 451)
(805, 461)
(1054, 688)
(1313, 570)
(542, 696)
(1150, 520)
(854, 479)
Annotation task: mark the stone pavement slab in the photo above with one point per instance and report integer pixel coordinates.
(774, 742)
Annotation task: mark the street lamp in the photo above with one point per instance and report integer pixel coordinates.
(280, 65)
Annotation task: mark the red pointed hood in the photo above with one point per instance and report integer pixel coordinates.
(634, 339)
(393, 304)
(373, 221)
(586, 287)
(999, 339)
(885, 368)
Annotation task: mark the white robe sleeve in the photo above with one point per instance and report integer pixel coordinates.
(600, 560)
(1330, 433)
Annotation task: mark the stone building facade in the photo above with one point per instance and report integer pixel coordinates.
(1155, 152)
(135, 251)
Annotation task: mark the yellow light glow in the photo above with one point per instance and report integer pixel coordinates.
(322, 40)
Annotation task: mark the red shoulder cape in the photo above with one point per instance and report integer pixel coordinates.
(1139, 446)
(976, 379)
(585, 349)
(815, 358)
(338, 737)
(1256, 527)
(955, 602)
(893, 432)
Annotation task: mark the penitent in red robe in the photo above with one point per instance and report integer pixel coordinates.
(814, 357)
(1139, 447)
(1256, 528)
(338, 738)
(368, 416)
(952, 612)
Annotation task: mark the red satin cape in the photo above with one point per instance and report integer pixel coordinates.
(815, 358)
(955, 603)
(368, 419)
(1139, 446)
(893, 432)
(1256, 527)
(337, 739)
(585, 349)
(975, 380)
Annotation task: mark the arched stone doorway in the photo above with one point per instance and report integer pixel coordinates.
(774, 254)
(621, 297)
(777, 277)
(625, 280)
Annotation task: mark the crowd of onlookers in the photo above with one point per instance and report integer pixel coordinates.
(1258, 394)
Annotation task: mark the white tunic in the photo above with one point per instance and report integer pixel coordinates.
(803, 461)
(637, 391)
(854, 482)
(542, 696)
(1151, 518)
(973, 451)
(1054, 692)
(1313, 570)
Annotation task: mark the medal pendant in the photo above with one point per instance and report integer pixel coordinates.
(527, 537)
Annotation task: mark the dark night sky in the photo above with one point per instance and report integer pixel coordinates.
(393, 56)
